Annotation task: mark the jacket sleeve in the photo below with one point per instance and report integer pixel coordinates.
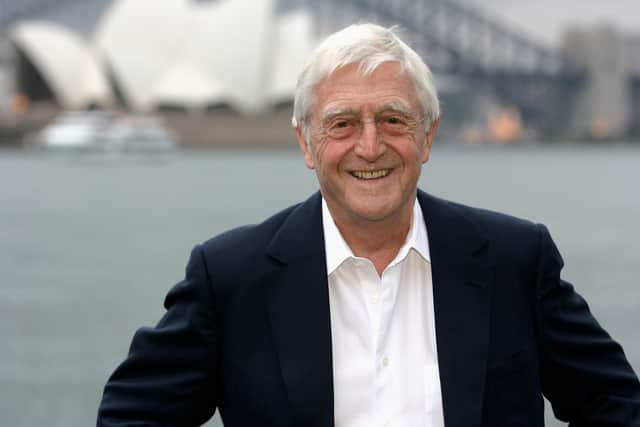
(585, 374)
(169, 376)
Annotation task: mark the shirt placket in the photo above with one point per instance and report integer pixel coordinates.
(386, 394)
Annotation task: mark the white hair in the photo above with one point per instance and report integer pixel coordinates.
(368, 45)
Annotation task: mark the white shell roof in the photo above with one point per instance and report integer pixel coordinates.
(67, 63)
(293, 44)
(188, 87)
(176, 52)
(230, 41)
(140, 40)
(229, 51)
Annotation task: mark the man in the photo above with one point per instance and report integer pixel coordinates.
(373, 303)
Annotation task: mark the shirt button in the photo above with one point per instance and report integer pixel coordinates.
(374, 299)
(385, 363)
(387, 424)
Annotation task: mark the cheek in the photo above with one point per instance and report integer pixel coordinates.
(317, 153)
(321, 148)
(410, 152)
(329, 156)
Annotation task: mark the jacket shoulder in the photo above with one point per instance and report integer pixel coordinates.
(491, 220)
(247, 241)
(508, 234)
(484, 218)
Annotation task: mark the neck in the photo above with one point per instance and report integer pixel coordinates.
(378, 241)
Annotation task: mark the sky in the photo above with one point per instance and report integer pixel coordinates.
(546, 20)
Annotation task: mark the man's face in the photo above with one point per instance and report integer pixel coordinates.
(371, 175)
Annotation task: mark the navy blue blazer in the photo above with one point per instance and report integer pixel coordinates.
(248, 332)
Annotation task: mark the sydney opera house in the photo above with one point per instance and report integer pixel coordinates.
(146, 55)
(240, 58)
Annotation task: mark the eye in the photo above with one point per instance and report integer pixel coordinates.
(394, 124)
(341, 127)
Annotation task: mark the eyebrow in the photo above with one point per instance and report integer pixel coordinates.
(400, 107)
(333, 112)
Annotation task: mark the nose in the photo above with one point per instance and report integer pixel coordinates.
(370, 146)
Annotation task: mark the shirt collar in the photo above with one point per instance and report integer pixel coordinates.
(338, 251)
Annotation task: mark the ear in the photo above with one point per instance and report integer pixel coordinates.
(305, 148)
(428, 140)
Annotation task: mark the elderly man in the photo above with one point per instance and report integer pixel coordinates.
(373, 303)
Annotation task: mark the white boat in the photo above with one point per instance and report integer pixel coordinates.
(105, 131)
(139, 133)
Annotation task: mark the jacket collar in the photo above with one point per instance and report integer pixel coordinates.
(462, 273)
(300, 236)
(298, 301)
(298, 312)
(337, 250)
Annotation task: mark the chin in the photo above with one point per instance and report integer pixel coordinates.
(375, 213)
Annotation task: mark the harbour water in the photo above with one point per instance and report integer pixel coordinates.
(90, 244)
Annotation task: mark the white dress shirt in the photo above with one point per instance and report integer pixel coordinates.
(385, 364)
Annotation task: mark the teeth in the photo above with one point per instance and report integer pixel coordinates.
(371, 174)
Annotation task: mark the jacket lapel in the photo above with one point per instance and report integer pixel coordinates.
(462, 279)
(298, 306)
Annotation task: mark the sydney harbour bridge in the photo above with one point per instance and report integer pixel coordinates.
(556, 90)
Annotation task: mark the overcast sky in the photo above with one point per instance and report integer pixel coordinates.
(546, 20)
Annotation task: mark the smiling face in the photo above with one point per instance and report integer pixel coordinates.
(371, 174)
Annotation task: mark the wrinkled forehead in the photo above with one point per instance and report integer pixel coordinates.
(395, 106)
(354, 87)
(361, 70)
